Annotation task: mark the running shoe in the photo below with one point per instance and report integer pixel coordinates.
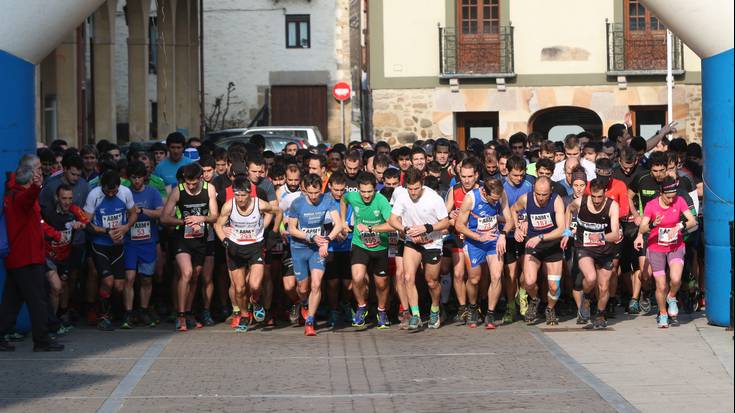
(532, 311)
(581, 320)
(63, 330)
(473, 319)
(347, 312)
(258, 312)
(293, 313)
(646, 305)
(359, 319)
(674, 320)
(510, 311)
(434, 320)
(181, 324)
(333, 318)
(235, 320)
(551, 318)
(304, 312)
(309, 329)
(634, 307)
(663, 321)
(243, 325)
(600, 322)
(523, 301)
(207, 319)
(610, 309)
(414, 323)
(405, 318)
(127, 322)
(192, 323)
(463, 314)
(673, 309)
(65, 319)
(383, 322)
(105, 324)
(490, 320)
(14, 337)
(584, 309)
(145, 318)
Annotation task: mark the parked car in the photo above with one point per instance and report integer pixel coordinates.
(143, 145)
(273, 143)
(309, 134)
(217, 135)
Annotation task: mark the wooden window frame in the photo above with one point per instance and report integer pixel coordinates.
(647, 17)
(297, 19)
(480, 20)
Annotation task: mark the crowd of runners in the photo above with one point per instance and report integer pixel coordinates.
(366, 234)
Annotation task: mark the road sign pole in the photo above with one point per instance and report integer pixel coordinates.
(342, 113)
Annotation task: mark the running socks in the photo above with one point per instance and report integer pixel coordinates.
(434, 308)
(415, 310)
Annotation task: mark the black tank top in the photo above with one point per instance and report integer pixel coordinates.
(193, 205)
(541, 220)
(591, 227)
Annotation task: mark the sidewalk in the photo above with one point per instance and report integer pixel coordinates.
(686, 368)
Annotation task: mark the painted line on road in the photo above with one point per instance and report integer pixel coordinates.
(115, 401)
(605, 391)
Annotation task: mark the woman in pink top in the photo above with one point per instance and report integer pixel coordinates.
(662, 222)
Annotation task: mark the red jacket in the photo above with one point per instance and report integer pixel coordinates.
(23, 218)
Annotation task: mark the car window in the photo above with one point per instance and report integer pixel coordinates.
(276, 144)
(300, 134)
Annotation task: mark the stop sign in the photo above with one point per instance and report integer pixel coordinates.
(341, 91)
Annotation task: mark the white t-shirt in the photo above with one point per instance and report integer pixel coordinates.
(429, 209)
(286, 201)
(589, 168)
(95, 197)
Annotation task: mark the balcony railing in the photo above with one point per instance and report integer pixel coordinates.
(476, 56)
(641, 52)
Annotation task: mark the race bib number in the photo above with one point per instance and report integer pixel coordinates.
(541, 221)
(487, 224)
(65, 238)
(573, 226)
(141, 231)
(112, 221)
(196, 231)
(667, 236)
(593, 239)
(392, 244)
(312, 232)
(244, 235)
(370, 239)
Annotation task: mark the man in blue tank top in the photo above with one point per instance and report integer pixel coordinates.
(482, 211)
(545, 226)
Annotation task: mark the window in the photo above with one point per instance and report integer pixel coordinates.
(649, 119)
(640, 19)
(152, 44)
(298, 31)
(479, 16)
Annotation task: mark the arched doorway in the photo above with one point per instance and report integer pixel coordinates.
(555, 123)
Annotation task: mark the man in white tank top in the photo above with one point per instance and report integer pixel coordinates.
(240, 226)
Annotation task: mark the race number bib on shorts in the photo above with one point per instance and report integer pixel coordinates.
(141, 231)
(392, 244)
(541, 221)
(112, 221)
(593, 239)
(370, 239)
(243, 235)
(667, 236)
(487, 224)
(195, 231)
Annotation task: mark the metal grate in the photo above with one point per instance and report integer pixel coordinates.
(476, 56)
(641, 52)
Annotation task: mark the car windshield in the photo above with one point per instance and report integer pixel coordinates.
(300, 134)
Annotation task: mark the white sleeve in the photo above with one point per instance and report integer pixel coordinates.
(91, 203)
(397, 202)
(440, 208)
(126, 196)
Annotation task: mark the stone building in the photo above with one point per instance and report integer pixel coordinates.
(489, 68)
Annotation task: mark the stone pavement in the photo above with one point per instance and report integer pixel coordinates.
(514, 368)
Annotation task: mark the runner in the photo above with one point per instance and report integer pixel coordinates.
(420, 214)
(545, 211)
(468, 174)
(662, 221)
(369, 247)
(208, 172)
(478, 221)
(287, 194)
(396, 244)
(309, 247)
(197, 209)
(596, 232)
(111, 210)
(337, 273)
(140, 246)
(240, 227)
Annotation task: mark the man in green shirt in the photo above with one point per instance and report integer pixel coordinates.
(369, 246)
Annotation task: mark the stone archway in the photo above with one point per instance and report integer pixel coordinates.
(571, 118)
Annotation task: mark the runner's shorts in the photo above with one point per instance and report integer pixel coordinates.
(428, 256)
(239, 256)
(338, 266)
(602, 256)
(476, 253)
(659, 260)
(141, 258)
(62, 268)
(108, 259)
(513, 249)
(306, 260)
(196, 248)
(546, 251)
(375, 261)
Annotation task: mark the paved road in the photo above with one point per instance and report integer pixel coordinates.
(453, 369)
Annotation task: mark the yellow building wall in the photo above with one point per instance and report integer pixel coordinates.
(411, 37)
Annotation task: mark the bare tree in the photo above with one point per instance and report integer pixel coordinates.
(217, 117)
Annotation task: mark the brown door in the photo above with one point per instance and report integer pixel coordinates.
(645, 38)
(480, 125)
(478, 29)
(300, 106)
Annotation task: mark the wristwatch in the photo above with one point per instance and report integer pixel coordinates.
(370, 228)
(541, 237)
(328, 238)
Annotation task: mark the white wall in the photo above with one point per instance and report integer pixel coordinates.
(411, 37)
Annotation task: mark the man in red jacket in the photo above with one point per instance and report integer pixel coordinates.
(25, 262)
